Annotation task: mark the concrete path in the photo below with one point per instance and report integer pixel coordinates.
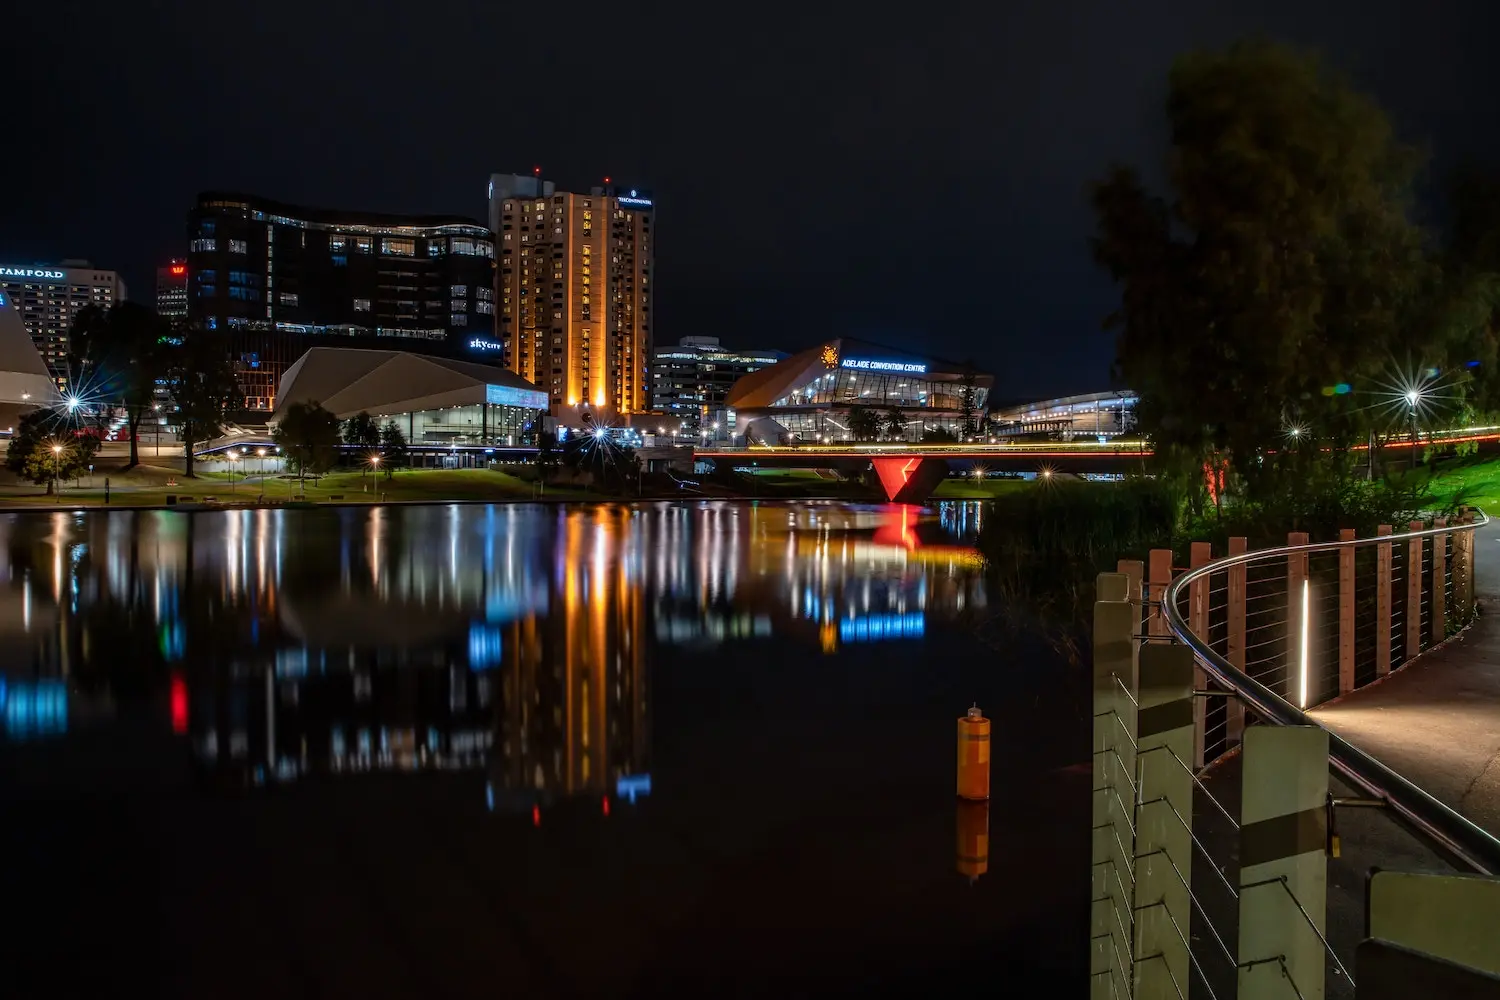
(1437, 721)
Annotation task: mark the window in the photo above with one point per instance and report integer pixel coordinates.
(458, 319)
(484, 294)
(207, 276)
(340, 260)
(466, 246)
(436, 248)
(458, 291)
(361, 305)
(244, 294)
(288, 298)
(398, 248)
(337, 244)
(237, 246)
(203, 246)
(364, 244)
(206, 291)
(484, 308)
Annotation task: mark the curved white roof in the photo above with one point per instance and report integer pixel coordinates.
(23, 374)
(348, 380)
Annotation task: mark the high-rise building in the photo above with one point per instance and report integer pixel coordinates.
(276, 279)
(49, 297)
(689, 383)
(573, 292)
(171, 290)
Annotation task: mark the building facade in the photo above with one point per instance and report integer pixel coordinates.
(1093, 415)
(689, 383)
(275, 279)
(48, 298)
(852, 390)
(172, 290)
(573, 293)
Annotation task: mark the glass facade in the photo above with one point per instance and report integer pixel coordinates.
(819, 409)
(473, 424)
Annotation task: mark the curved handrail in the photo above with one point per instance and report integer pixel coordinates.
(1460, 841)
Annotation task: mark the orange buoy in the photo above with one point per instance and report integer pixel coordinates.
(974, 756)
(973, 838)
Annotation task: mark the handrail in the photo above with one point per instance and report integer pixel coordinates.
(1460, 841)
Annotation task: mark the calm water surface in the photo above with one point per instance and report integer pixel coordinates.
(566, 750)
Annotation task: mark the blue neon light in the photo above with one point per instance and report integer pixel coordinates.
(629, 786)
(36, 709)
(485, 645)
(879, 628)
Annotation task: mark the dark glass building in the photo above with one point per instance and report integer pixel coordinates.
(276, 279)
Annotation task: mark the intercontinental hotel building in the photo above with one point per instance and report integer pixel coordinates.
(573, 292)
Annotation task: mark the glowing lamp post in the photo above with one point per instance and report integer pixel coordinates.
(1413, 397)
(56, 466)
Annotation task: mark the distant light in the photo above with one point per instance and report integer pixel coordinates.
(179, 703)
(604, 805)
(178, 269)
(1412, 395)
(72, 403)
(606, 180)
(537, 171)
(1342, 389)
(1472, 364)
(599, 433)
(1296, 432)
(536, 815)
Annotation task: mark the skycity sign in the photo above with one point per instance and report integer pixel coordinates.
(481, 344)
(31, 272)
(867, 365)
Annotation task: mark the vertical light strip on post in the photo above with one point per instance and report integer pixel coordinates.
(1306, 614)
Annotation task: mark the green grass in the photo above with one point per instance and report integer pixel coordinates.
(986, 489)
(148, 488)
(1476, 480)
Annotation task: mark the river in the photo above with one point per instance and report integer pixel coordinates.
(566, 750)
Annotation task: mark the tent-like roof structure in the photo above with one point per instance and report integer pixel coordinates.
(24, 379)
(348, 380)
(762, 388)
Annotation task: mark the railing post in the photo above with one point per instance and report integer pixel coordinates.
(1414, 594)
(1439, 591)
(1135, 576)
(1159, 576)
(1116, 621)
(1283, 861)
(1164, 845)
(1383, 580)
(1235, 648)
(1463, 572)
(1296, 580)
(1200, 554)
(1346, 612)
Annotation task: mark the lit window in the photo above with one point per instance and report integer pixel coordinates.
(288, 298)
(203, 246)
(336, 244)
(340, 260)
(458, 305)
(361, 305)
(237, 246)
(364, 244)
(458, 319)
(398, 248)
(458, 291)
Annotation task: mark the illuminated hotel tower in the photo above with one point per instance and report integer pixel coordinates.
(573, 292)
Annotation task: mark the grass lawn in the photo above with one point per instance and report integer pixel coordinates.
(147, 487)
(985, 489)
(1477, 479)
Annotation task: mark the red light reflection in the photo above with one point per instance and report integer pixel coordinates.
(179, 698)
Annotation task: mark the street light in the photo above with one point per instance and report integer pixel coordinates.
(156, 424)
(231, 456)
(1413, 397)
(56, 462)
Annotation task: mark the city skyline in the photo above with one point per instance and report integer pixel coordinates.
(792, 167)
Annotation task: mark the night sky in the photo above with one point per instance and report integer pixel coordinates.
(902, 174)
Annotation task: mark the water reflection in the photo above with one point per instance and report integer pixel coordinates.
(509, 640)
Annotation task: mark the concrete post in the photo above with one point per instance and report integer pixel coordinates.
(1235, 709)
(1439, 594)
(1414, 593)
(1283, 849)
(1159, 575)
(1383, 581)
(1116, 620)
(1298, 684)
(1346, 612)
(1164, 845)
(1135, 576)
(1200, 554)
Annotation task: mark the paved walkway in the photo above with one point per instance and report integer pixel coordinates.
(1437, 722)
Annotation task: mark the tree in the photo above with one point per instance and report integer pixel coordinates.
(308, 436)
(123, 352)
(361, 430)
(44, 449)
(546, 454)
(968, 397)
(202, 387)
(895, 424)
(392, 448)
(939, 435)
(1282, 273)
(864, 423)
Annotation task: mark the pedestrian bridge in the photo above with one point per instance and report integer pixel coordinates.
(910, 472)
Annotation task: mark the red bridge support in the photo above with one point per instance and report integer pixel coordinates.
(910, 480)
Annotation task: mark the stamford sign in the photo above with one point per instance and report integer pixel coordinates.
(31, 272)
(866, 365)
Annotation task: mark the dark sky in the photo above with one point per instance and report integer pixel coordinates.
(910, 174)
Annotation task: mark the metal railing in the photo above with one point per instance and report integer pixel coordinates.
(1188, 667)
(1268, 695)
